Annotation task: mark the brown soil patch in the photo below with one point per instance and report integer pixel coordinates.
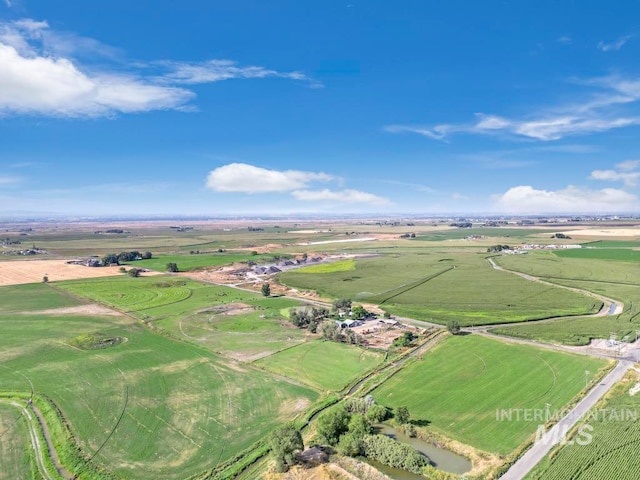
(230, 309)
(17, 272)
(263, 248)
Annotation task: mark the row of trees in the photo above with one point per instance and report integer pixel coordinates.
(116, 258)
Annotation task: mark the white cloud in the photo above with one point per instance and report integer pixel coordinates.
(614, 46)
(218, 70)
(597, 113)
(628, 165)
(565, 39)
(341, 196)
(625, 172)
(525, 199)
(241, 177)
(39, 75)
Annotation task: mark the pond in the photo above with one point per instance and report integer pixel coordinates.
(440, 458)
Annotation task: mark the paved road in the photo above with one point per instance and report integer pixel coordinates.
(538, 451)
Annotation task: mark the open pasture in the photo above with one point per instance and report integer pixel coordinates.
(323, 365)
(440, 285)
(616, 254)
(189, 262)
(459, 386)
(15, 448)
(18, 272)
(612, 453)
(153, 407)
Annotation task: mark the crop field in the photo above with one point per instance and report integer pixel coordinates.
(580, 331)
(612, 454)
(178, 408)
(15, 447)
(612, 244)
(495, 232)
(617, 254)
(484, 376)
(442, 285)
(191, 262)
(239, 324)
(620, 283)
(323, 365)
(332, 267)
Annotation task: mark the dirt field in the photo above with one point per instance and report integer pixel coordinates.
(15, 272)
(605, 232)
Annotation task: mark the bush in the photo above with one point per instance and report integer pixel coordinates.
(394, 454)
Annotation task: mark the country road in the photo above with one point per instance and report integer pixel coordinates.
(539, 450)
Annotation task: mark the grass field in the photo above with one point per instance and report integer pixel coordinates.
(612, 244)
(440, 285)
(15, 446)
(239, 324)
(613, 452)
(179, 409)
(620, 283)
(323, 365)
(191, 262)
(617, 254)
(332, 267)
(495, 232)
(459, 386)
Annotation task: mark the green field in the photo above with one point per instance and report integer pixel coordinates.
(459, 386)
(239, 324)
(441, 285)
(332, 267)
(323, 365)
(491, 232)
(15, 446)
(612, 244)
(195, 261)
(612, 453)
(620, 283)
(179, 409)
(617, 254)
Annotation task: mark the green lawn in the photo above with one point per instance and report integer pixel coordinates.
(459, 386)
(180, 409)
(611, 453)
(445, 285)
(323, 365)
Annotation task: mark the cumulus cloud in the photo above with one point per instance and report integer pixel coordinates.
(241, 177)
(614, 46)
(626, 172)
(342, 196)
(41, 75)
(526, 199)
(245, 178)
(597, 113)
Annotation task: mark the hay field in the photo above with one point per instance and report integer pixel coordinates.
(18, 272)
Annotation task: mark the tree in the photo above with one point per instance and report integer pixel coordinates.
(134, 272)
(266, 289)
(402, 415)
(331, 331)
(342, 304)
(454, 327)
(45, 279)
(172, 267)
(147, 255)
(377, 413)
(358, 312)
(405, 340)
(285, 442)
(110, 259)
(332, 424)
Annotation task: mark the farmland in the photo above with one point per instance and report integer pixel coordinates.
(485, 375)
(236, 323)
(175, 401)
(194, 261)
(616, 254)
(442, 285)
(620, 283)
(15, 456)
(323, 365)
(613, 451)
(17, 272)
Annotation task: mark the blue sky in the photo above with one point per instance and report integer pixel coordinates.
(253, 107)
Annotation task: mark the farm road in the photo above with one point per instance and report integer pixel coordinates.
(556, 434)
